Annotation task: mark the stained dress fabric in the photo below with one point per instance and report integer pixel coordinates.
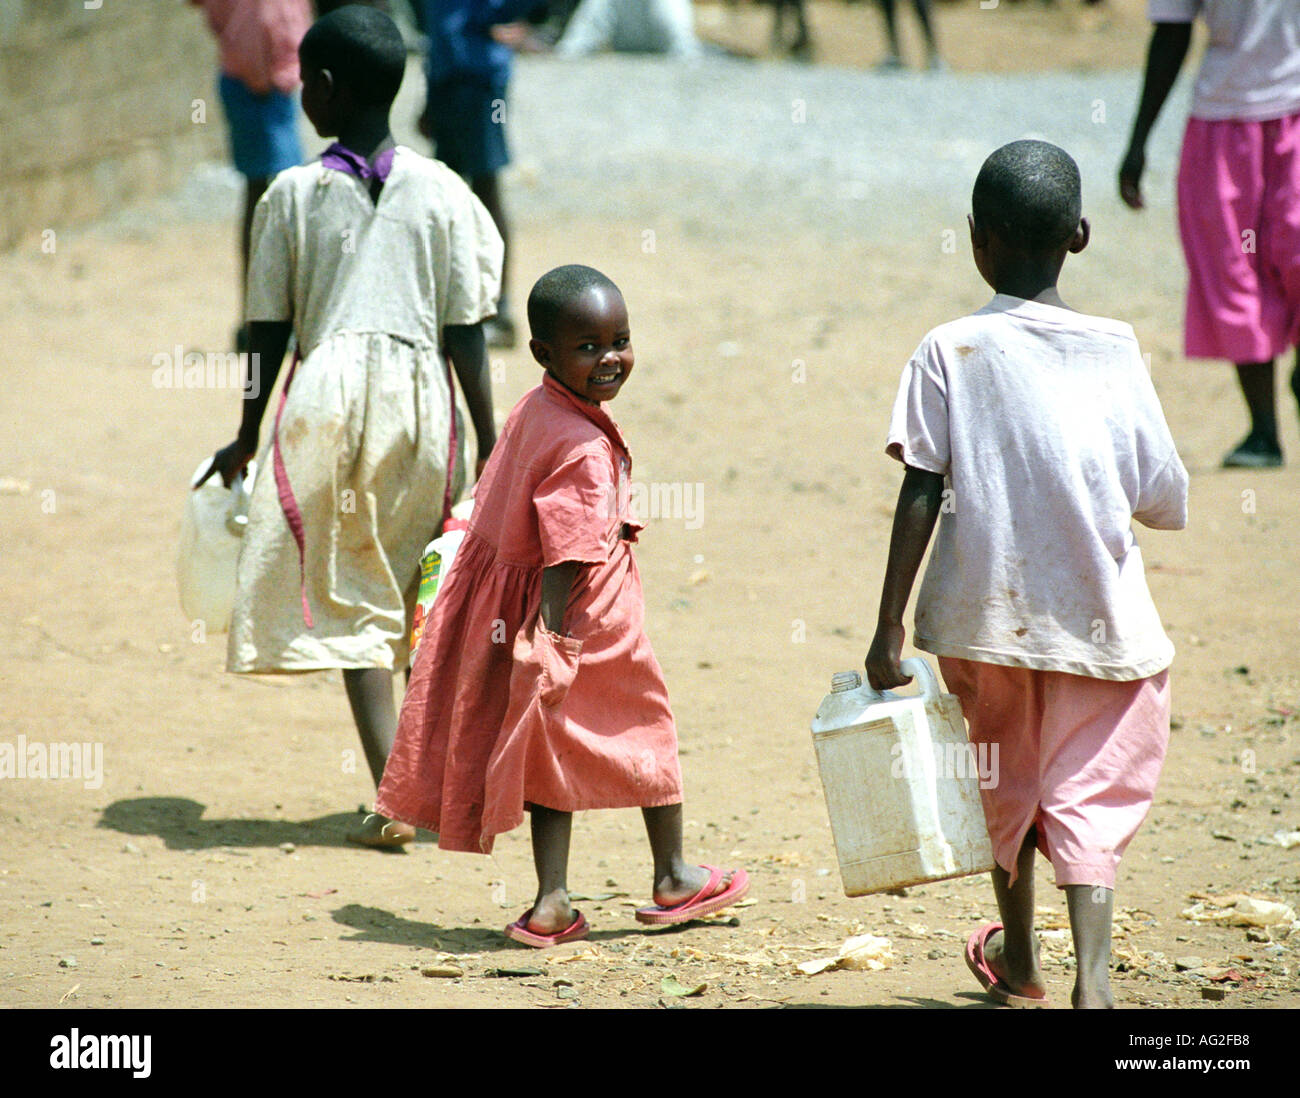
(500, 713)
(369, 286)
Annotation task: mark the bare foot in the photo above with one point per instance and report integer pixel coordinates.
(381, 833)
(1021, 976)
(682, 884)
(552, 913)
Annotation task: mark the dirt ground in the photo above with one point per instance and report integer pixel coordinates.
(210, 867)
(1010, 36)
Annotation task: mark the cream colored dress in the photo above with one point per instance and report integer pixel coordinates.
(365, 430)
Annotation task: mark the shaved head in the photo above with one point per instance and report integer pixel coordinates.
(1029, 194)
(362, 49)
(556, 290)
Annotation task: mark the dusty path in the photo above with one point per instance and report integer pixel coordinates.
(793, 267)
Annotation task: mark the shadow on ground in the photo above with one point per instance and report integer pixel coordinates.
(374, 924)
(179, 822)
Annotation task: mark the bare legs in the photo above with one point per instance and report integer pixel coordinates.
(890, 13)
(1091, 909)
(674, 880)
(1261, 448)
(1013, 954)
(552, 911)
(922, 8)
(894, 58)
(370, 694)
(801, 46)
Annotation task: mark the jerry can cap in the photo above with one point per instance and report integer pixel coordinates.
(843, 681)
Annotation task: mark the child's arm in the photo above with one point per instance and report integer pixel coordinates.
(557, 586)
(572, 505)
(917, 511)
(267, 342)
(465, 347)
(1168, 49)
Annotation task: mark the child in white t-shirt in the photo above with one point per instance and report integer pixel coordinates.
(1037, 433)
(1238, 192)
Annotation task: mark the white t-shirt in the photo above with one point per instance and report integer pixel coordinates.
(1251, 69)
(1052, 440)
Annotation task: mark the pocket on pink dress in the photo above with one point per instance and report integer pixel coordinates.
(558, 659)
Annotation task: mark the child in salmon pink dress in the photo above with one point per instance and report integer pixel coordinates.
(534, 686)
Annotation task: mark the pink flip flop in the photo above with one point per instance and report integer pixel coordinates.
(519, 932)
(702, 903)
(989, 980)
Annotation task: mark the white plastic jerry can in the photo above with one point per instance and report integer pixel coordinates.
(902, 784)
(212, 530)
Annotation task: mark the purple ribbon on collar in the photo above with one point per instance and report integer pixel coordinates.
(345, 160)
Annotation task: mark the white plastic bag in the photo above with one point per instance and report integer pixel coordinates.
(212, 530)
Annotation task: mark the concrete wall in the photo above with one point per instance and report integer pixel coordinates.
(97, 107)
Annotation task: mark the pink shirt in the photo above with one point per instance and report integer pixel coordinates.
(258, 40)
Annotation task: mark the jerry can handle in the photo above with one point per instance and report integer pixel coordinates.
(237, 508)
(921, 669)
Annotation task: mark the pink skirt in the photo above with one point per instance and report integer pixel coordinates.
(1239, 217)
(1076, 758)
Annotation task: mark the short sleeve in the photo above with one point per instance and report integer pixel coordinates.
(474, 272)
(1162, 478)
(1162, 500)
(918, 429)
(1173, 11)
(575, 508)
(271, 257)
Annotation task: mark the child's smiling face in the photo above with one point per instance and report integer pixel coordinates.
(590, 350)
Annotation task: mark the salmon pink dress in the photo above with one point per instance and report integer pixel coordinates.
(501, 713)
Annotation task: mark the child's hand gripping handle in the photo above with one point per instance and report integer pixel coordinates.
(912, 667)
(921, 669)
(230, 461)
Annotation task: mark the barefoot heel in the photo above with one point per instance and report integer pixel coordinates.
(518, 931)
(989, 980)
(704, 902)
